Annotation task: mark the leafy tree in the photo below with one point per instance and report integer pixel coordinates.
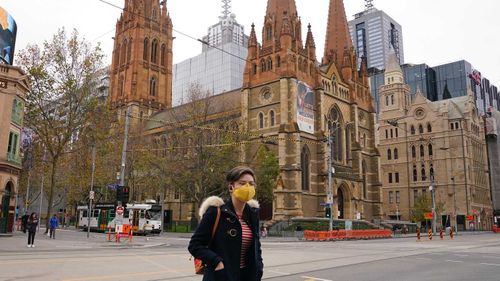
(423, 204)
(267, 171)
(60, 105)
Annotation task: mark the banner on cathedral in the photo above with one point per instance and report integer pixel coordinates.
(305, 108)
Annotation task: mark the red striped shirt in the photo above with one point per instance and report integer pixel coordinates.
(246, 241)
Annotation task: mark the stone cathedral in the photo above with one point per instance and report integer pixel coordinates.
(288, 94)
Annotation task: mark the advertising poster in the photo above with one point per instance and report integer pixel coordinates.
(305, 108)
(8, 31)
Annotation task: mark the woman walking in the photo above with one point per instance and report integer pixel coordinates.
(234, 252)
(32, 225)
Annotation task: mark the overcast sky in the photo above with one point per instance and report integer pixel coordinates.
(434, 31)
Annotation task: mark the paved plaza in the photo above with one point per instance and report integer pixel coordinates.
(74, 257)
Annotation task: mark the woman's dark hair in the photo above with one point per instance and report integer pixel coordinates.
(237, 172)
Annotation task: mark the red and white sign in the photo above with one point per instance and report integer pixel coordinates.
(120, 210)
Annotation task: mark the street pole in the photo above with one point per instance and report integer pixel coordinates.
(124, 150)
(41, 191)
(330, 182)
(91, 194)
(455, 225)
(27, 193)
(433, 194)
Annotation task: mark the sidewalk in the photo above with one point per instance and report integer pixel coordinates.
(71, 239)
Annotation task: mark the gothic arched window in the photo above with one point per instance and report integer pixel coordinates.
(420, 129)
(146, 49)
(396, 156)
(269, 64)
(121, 86)
(163, 54)
(269, 32)
(415, 175)
(278, 61)
(152, 86)
(334, 125)
(123, 54)
(422, 153)
(254, 68)
(429, 128)
(365, 178)
(272, 118)
(305, 159)
(261, 120)
(389, 154)
(412, 129)
(423, 173)
(154, 51)
(129, 50)
(413, 152)
(262, 66)
(430, 150)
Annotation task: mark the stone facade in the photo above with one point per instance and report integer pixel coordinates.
(424, 143)
(13, 89)
(141, 69)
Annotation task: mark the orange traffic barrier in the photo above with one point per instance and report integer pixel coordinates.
(429, 233)
(441, 234)
(418, 234)
(109, 233)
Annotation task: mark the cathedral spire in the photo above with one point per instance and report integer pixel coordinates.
(393, 72)
(337, 32)
(280, 11)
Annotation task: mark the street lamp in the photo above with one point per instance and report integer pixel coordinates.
(433, 192)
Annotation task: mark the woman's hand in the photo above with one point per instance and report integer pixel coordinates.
(220, 266)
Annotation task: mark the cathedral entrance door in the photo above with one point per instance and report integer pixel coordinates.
(340, 203)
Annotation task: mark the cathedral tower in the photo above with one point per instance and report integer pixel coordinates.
(141, 69)
(278, 101)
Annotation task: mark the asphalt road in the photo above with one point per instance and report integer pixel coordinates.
(73, 257)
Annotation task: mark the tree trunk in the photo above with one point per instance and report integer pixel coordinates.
(51, 191)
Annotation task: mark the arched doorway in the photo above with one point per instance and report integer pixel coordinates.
(340, 203)
(4, 211)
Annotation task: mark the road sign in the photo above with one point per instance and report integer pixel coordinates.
(329, 199)
(120, 210)
(91, 195)
(428, 216)
(470, 218)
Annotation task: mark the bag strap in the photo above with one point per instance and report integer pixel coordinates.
(216, 224)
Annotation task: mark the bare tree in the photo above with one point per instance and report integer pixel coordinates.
(63, 79)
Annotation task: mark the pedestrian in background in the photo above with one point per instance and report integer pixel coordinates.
(24, 222)
(234, 253)
(32, 225)
(54, 223)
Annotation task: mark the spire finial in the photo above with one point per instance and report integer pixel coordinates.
(226, 8)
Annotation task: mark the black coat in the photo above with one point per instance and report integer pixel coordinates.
(226, 244)
(32, 225)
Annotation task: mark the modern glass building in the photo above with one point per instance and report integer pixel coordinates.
(444, 81)
(220, 66)
(373, 34)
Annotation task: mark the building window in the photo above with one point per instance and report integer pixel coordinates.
(269, 64)
(17, 112)
(123, 54)
(386, 134)
(336, 134)
(254, 68)
(392, 134)
(278, 61)
(422, 153)
(269, 33)
(390, 177)
(457, 125)
(154, 51)
(452, 126)
(431, 172)
(389, 153)
(412, 129)
(429, 128)
(398, 197)
(415, 176)
(391, 197)
(305, 165)
(262, 66)
(423, 173)
(146, 49)
(413, 152)
(396, 132)
(396, 177)
(392, 99)
(121, 86)
(430, 150)
(13, 142)
(420, 129)
(129, 50)
(387, 100)
(396, 156)
(152, 87)
(272, 118)
(163, 54)
(261, 120)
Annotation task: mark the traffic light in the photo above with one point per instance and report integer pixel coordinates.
(328, 212)
(122, 194)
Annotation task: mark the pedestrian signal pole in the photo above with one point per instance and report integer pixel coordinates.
(330, 182)
(91, 193)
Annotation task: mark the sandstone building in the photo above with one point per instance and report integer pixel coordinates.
(424, 143)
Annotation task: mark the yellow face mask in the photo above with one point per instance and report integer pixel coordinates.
(244, 193)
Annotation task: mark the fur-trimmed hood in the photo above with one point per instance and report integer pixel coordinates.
(216, 201)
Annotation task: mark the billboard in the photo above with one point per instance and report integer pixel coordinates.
(8, 31)
(305, 108)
